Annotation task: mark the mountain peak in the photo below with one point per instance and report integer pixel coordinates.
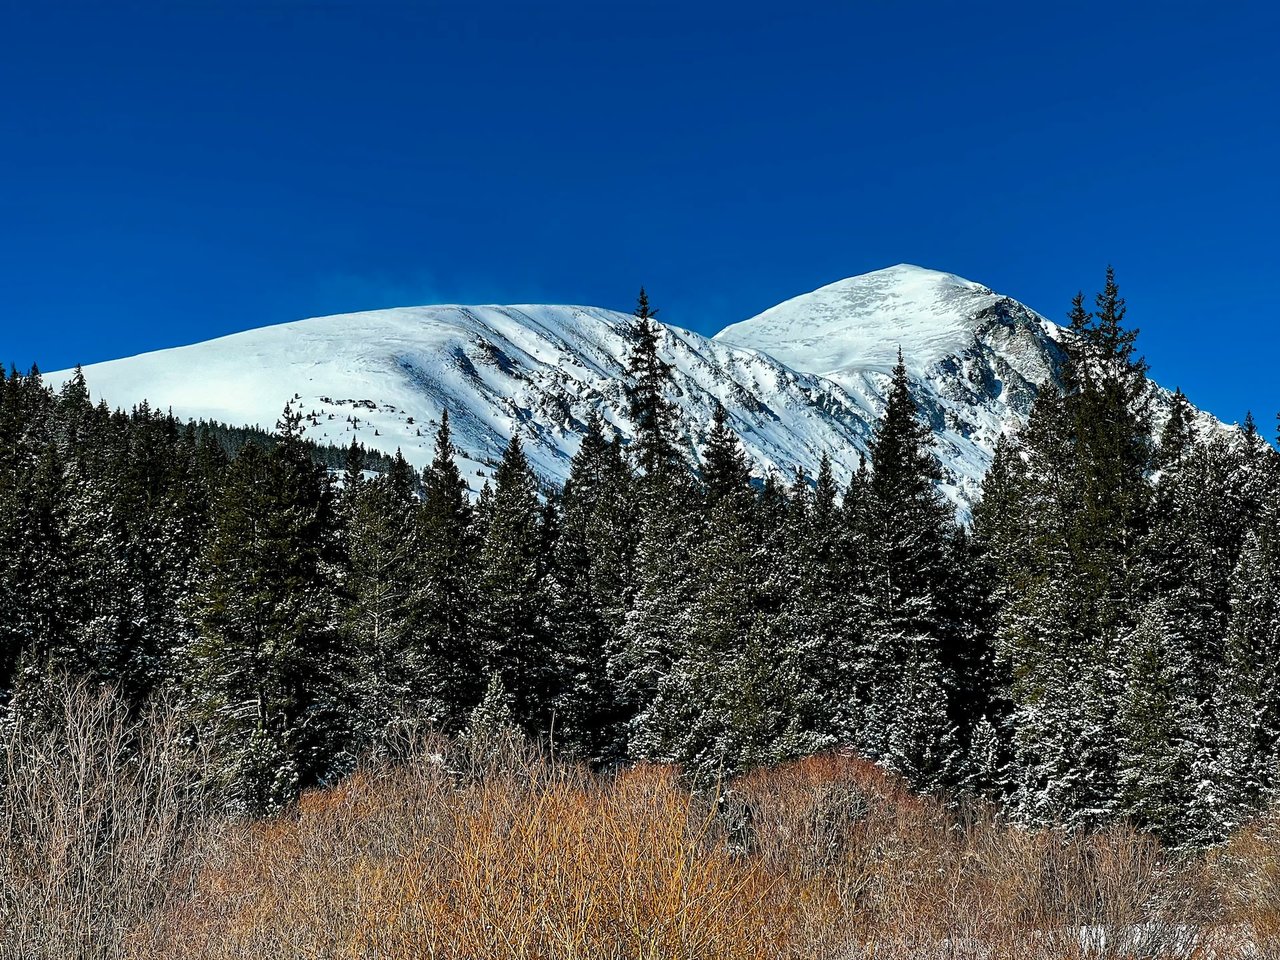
(803, 379)
(862, 321)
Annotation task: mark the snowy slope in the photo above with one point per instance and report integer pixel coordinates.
(805, 376)
(975, 358)
(385, 376)
(860, 323)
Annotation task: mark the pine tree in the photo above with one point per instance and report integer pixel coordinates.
(1159, 723)
(263, 671)
(1250, 675)
(912, 649)
(1178, 434)
(821, 583)
(1042, 645)
(729, 699)
(510, 619)
(443, 600)
(669, 522)
(725, 471)
(594, 555)
(1185, 568)
(392, 675)
(1109, 406)
(40, 593)
(648, 406)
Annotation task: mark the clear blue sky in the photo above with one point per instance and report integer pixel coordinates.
(177, 170)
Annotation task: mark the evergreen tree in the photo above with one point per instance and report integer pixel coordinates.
(1250, 675)
(1178, 433)
(822, 585)
(669, 519)
(451, 671)
(729, 698)
(510, 619)
(263, 672)
(1109, 406)
(40, 592)
(913, 651)
(647, 403)
(594, 555)
(392, 674)
(725, 471)
(1159, 726)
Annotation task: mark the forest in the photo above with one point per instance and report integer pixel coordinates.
(1097, 651)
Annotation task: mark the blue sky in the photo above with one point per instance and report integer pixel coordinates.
(178, 170)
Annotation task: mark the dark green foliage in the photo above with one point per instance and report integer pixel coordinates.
(393, 676)
(263, 667)
(593, 561)
(725, 472)
(648, 407)
(442, 601)
(1101, 642)
(913, 649)
(1178, 434)
(510, 623)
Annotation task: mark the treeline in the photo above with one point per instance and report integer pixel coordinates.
(1102, 643)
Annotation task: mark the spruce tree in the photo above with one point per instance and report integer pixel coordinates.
(510, 620)
(729, 699)
(912, 647)
(263, 669)
(443, 600)
(1178, 433)
(594, 555)
(647, 404)
(392, 676)
(1249, 694)
(822, 613)
(725, 471)
(1067, 567)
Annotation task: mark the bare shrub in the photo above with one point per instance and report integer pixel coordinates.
(482, 846)
(1246, 874)
(97, 813)
(511, 855)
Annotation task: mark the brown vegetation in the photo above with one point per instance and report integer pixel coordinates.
(101, 814)
(490, 850)
(1247, 872)
(827, 857)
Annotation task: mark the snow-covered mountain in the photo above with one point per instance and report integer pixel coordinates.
(976, 358)
(806, 376)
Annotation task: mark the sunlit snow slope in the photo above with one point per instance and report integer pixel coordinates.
(806, 376)
(384, 377)
(976, 358)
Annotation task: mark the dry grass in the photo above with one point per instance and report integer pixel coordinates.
(1247, 875)
(490, 850)
(828, 857)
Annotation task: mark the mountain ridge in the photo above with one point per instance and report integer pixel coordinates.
(806, 376)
